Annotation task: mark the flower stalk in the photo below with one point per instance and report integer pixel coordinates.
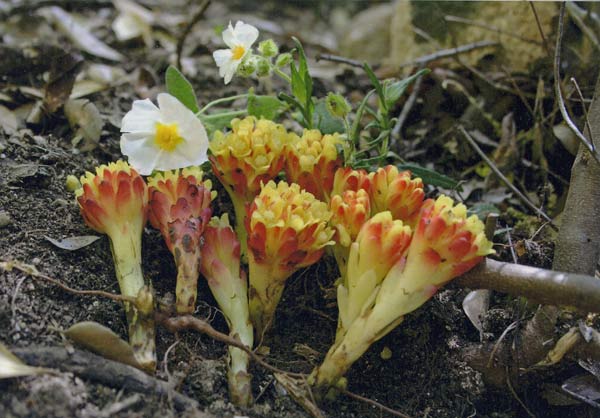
(113, 202)
(221, 267)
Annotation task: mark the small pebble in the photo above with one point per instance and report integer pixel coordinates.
(5, 219)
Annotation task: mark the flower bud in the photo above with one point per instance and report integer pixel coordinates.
(247, 67)
(268, 48)
(336, 105)
(263, 67)
(283, 59)
(72, 183)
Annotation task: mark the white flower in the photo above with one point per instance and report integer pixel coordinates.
(239, 40)
(162, 138)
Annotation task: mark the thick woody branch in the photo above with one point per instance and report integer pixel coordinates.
(544, 286)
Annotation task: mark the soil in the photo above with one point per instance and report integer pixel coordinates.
(424, 377)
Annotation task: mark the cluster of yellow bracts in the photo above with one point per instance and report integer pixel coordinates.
(394, 248)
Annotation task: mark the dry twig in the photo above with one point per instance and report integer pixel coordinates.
(33, 272)
(341, 60)
(445, 53)
(539, 25)
(410, 102)
(544, 286)
(188, 29)
(497, 172)
(558, 92)
(108, 372)
(374, 403)
(184, 322)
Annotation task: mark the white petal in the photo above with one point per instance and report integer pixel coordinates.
(229, 36)
(221, 56)
(228, 70)
(245, 34)
(141, 118)
(171, 109)
(141, 152)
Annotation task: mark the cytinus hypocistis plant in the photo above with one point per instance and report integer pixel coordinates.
(445, 243)
(113, 202)
(179, 206)
(221, 267)
(287, 230)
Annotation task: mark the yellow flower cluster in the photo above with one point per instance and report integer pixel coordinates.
(312, 160)
(251, 154)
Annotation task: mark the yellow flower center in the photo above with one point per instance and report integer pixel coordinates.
(237, 52)
(167, 136)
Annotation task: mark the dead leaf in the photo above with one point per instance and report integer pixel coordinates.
(73, 243)
(133, 21)
(8, 120)
(584, 388)
(84, 118)
(563, 346)
(12, 366)
(63, 71)
(475, 305)
(103, 341)
(299, 391)
(80, 36)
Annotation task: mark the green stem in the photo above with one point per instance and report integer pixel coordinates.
(219, 101)
(239, 379)
(283, 75)
(222, 114)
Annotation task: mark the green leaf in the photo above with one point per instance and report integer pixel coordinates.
(289, 99)
(393, 91)
(298, 86)
(303, 64)
(374, 81)
(482, 210)
(267, 107)
(354, 130)
(324, 121)
(181, 88)
(429, 176)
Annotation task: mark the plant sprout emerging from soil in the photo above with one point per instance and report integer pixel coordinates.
(445, 244)
(179, 206)
(221, 267)
(113, 202)
(287, 230)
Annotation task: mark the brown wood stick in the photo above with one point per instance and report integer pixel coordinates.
(544, 286)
